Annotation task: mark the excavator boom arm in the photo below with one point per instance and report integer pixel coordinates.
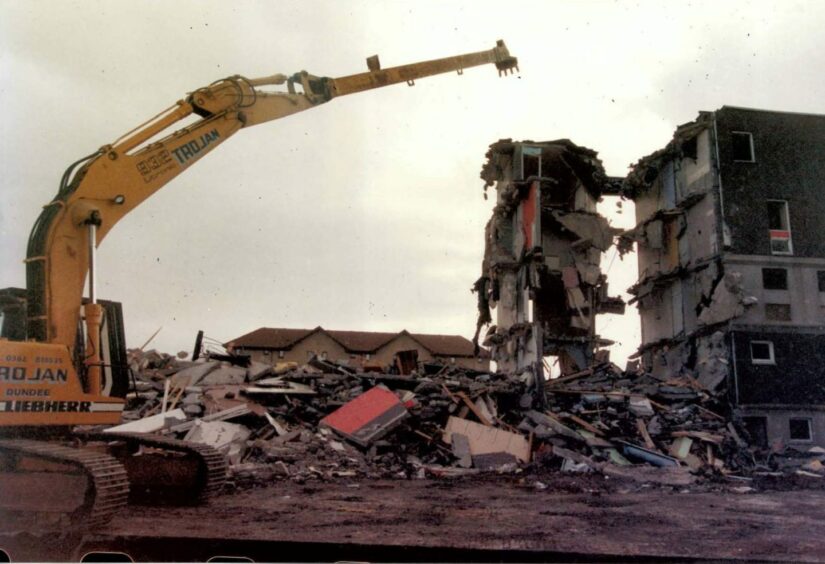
(117, 178)
(377, 78)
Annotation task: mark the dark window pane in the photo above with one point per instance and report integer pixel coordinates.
(820, 274)
(760, 351)
(800, 429)
(777, 218)
(778, 312)
(531, 165)
(774, 278)
(757, 428)
(690, 148)
(741, 146)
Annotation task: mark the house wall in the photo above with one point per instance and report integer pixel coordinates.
(320, 343)
(317, 343)
(683, 240)
(777, 425)
(789, 165)
(806, 301)
(723, 249)
(386, 353)
(795, 377)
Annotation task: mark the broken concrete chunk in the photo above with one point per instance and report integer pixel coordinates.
(617, 458)
(150, 424)
(257, 370)
(568, 465)
(593, 441)
(570, 277)
(487, 440)
(223, 375)
(231, 413)
(484, 411)
(228, 438)
(640, 406)
(461, 450)
(553, 424)
(191, 399)
(194, 374)
(276, 387)
(680, 447)
(498, 461)
(574, 456)
(589, 227)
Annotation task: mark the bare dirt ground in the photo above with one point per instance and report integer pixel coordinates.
(484, 518)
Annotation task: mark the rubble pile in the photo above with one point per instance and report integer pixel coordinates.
(271, 420)
(629, 417)
(326, 420)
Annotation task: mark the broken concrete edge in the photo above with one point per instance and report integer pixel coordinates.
(545, 232)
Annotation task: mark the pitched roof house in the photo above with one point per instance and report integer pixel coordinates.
(268, 344)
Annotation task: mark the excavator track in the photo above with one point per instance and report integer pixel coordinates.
(45, 485)
(199, 480)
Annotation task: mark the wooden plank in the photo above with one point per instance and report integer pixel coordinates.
(701, 435)
(581, 422)
(472, 407)
(449, 393)
(176, 399)
(569, 377)
(709, 412)
(640, 425)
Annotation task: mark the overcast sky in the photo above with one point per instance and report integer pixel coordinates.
(365, 213)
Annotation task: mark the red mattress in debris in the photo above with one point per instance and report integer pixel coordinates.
(367, 417)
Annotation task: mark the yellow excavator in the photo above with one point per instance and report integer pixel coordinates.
(61, 372)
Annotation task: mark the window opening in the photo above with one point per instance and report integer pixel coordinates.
(779, 227)
(742, 144)
(762, 352)
(800, 429)
(775, 278)
(757, 428)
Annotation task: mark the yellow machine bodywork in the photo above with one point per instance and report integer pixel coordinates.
(110, 183)
(39, 386)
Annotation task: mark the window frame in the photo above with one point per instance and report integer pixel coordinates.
(763, 361)
(750, 143)
(787, 213)
(809, 421)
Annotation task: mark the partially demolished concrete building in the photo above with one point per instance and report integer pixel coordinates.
(543, 246)
(731, 252)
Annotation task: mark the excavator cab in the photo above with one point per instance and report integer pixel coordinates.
(115, 370)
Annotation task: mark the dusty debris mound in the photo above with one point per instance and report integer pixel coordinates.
(326, 420)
